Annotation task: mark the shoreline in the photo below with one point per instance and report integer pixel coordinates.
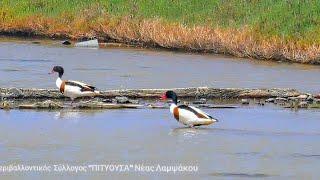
(155, 34)
(117, 44)
(155, 46)
(244, 29)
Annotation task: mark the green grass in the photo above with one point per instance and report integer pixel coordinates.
(288, 19)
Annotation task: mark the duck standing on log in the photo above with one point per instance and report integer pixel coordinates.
(187, 115)
(73, 89)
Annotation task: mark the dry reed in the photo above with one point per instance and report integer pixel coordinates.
(244, 42)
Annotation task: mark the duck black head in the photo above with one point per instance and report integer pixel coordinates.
(170, 95)
(58, 69)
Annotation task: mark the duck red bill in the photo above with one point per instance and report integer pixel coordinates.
(163, 97)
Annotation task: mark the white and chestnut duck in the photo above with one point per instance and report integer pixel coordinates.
(187, 115)
(73, 89)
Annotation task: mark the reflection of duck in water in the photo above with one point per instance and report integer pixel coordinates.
(68, 114)
(189, 132)
(75, 115)
(187, 115)
(73, 89)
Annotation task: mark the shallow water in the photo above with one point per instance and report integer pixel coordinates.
(247, 142)
(24, 64)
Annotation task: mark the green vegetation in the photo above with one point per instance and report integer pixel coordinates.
(297, 19)
(263, 29)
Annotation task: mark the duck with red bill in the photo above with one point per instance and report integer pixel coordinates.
(187, 115)
(73, 89)
(163, 96)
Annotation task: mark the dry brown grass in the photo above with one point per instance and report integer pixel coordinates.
(243, 42)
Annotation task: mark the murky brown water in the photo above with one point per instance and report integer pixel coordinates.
(248, 142)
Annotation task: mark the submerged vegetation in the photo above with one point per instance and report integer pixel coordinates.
(270, 29)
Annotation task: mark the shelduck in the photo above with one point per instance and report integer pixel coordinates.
(73, 89)
(187, 115)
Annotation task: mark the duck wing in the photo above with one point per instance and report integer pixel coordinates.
(83, 87)
(199, 113)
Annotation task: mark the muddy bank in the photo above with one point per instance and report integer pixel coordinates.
(172, 36)
(203, 97)
(192, 92)
(270, 50)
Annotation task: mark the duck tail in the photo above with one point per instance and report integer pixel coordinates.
(97, 93)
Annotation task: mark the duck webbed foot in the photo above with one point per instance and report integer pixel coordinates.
(72, 103)
(191, 126)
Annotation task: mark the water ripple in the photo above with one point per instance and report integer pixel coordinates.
(247, 153)
(25, 60)
(94, 69)
(244, 175)
(257, 132)
(306, 155)
(12, 70)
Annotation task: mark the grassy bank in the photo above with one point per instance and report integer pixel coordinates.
(270, 29)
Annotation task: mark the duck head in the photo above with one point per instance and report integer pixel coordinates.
(170, 95)
(57, 69)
